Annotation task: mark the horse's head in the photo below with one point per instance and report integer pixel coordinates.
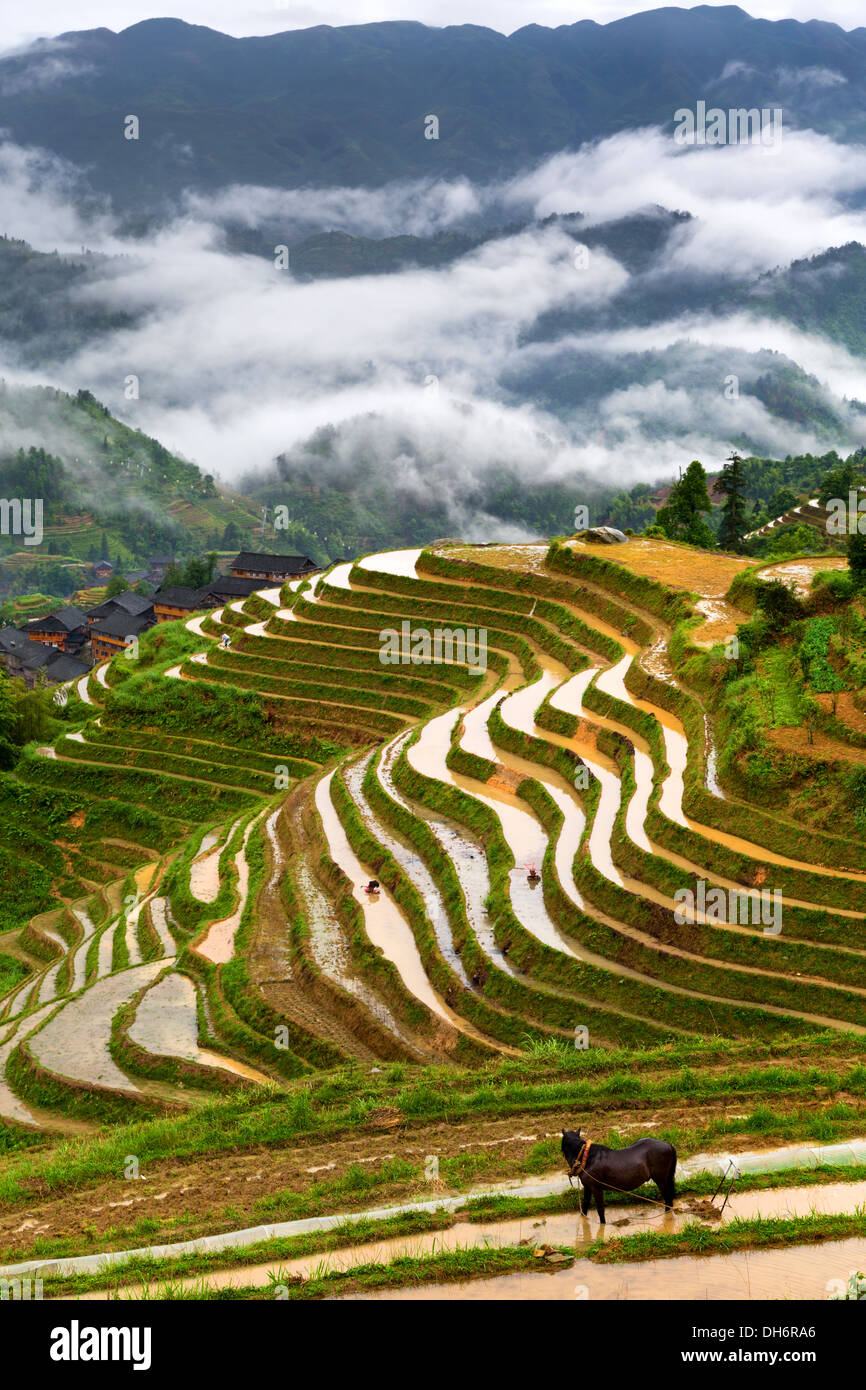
(572, 1143)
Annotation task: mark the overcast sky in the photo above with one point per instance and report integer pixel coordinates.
(20, 23)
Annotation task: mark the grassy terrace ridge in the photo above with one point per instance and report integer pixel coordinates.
(478, 1210)
(181, 842)
(485, 1261)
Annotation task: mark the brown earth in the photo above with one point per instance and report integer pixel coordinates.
(183, 1200)
(705, 572)
(822, 748)
(847, 711)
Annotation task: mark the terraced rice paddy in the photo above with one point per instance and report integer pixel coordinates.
(207, 933)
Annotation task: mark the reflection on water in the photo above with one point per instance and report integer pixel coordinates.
(401, 562)
(801, 1272)
(386, 926)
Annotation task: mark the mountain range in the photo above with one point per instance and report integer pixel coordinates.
(348, 106)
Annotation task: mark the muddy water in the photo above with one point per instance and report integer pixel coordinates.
(81, 687)
(159, 919)
(76, 1042)
(219, 943)
(610, 682)
(194, 625)
(338, 577)
(428, 756)
(800, 1273)
(204, 877)
(411, 863)
(276, 849)
(600, 837)
(401, 562)
(328, 948)
(564, 1228)
(204, 883)
(79, 965)
(466, 856)
(105, 956)
(270, 595)
(517, 711)
(569, 697)
(798, 574)
(524, 835)
(166, 1025)
(721, 619)
(386, 926)
(711, 776)
(11, 1108)
(656, 662)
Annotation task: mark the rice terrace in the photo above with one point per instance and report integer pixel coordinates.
(217, 1042)
(432, 684)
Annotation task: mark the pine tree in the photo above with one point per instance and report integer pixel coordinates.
(682, 517)
(731, 484)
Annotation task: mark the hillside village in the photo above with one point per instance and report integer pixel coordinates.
(64, 645)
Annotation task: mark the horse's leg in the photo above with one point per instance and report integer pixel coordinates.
(667, 1186)
(585, 1200)
(599, 1203)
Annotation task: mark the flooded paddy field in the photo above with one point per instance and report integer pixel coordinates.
(300, 1055)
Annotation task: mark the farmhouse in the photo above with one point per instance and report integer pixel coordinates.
(251, 564)
(179, 602)
(158, 566)
(31, 661)
(103, 570)
(116, 632)
(61, 668)
(66, 629)
(137, 605)
(226, 587)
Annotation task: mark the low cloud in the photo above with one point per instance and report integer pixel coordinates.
(440, 379)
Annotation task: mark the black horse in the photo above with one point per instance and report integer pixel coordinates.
(623, 1170)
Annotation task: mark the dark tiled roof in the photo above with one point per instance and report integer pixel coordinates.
(277, 564)
(123, 603)
(37, 656)
(67, 620)
(232, 586)
(181, 597)
(12, 638)
(123, 625)
(65, 668)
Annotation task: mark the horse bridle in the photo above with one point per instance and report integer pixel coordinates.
(579, 1164)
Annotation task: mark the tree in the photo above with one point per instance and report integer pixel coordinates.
(200, 571)
(857, 560)
(8, 754)
(103, 547)
(779, 605)
(173, 577)
(116, 585)
(839, 482)
(731, 484)
(809, 711)
(681, 518)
